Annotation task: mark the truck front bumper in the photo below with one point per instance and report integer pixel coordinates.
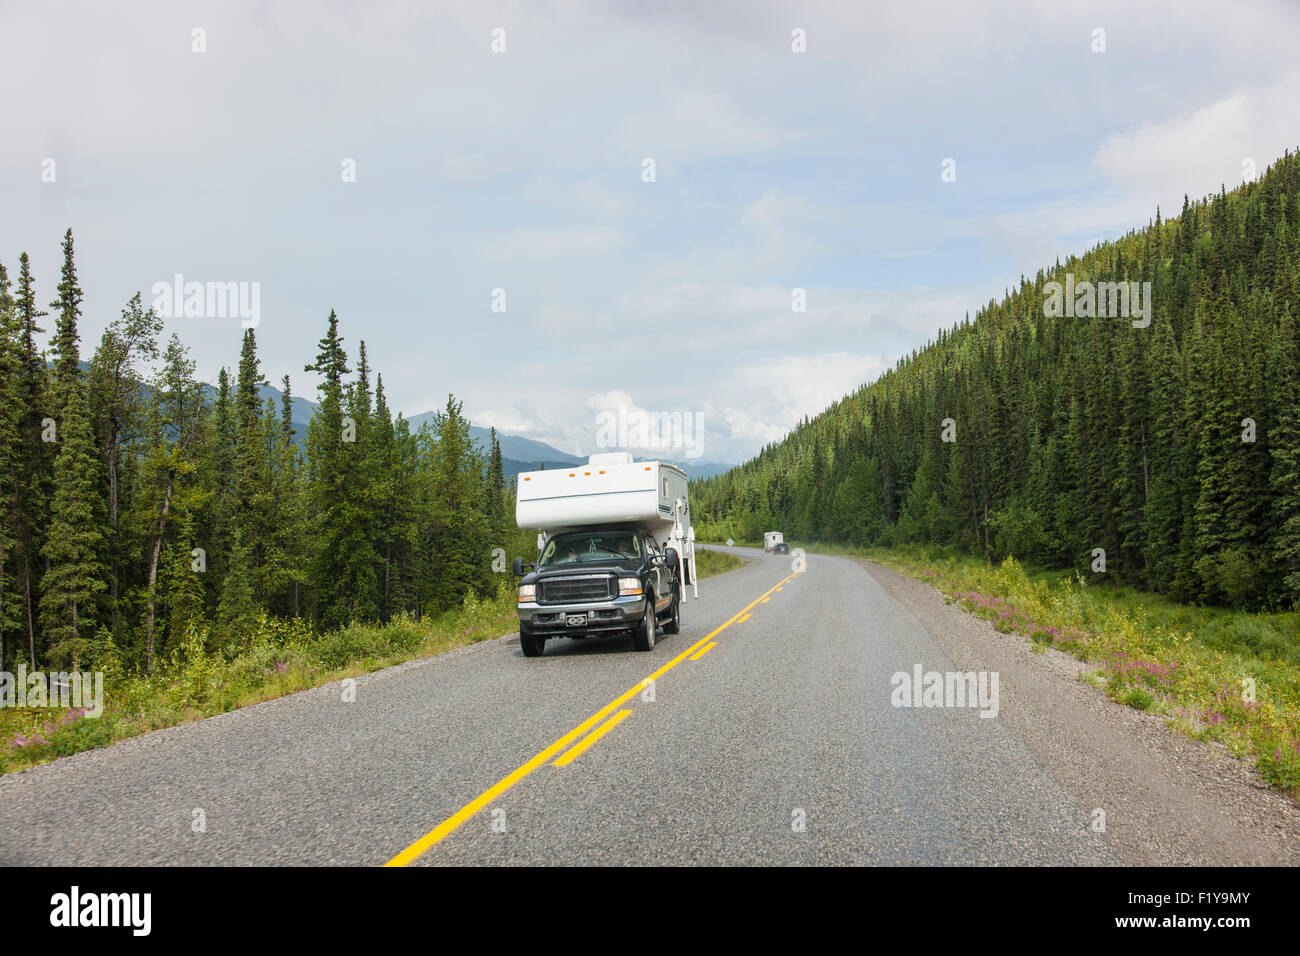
(604, 617)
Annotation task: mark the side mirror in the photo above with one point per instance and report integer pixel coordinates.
(519, 567)
(671, 555)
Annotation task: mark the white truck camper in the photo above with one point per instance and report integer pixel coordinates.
(616, 550)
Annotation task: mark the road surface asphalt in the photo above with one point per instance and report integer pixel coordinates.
(779, 744)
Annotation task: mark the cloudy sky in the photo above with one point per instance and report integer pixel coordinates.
(523, 170)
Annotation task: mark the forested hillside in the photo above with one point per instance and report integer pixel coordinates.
(137, 505)
(1174, 447)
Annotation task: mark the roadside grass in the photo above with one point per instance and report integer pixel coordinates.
(715, 562)
(279, 657)
(1219, 675)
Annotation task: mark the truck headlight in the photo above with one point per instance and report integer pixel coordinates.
(629, 587)
(527, 592)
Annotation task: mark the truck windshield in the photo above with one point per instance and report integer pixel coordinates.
(590, 546)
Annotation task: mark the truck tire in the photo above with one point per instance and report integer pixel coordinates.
(643, 635)
(674, 623)
(531, 644)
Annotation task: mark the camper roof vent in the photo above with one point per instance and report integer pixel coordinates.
(611, 458)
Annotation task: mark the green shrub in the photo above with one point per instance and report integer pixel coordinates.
(70, 734)
(1138, 697)
(348, 645)
(1279, 760)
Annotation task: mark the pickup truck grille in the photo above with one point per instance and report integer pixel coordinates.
(599, 587)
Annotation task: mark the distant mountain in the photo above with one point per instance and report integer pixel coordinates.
(513, 466)
(699, 470)
(523, 449)
(301, 410)
(527, 452)
(517, 453)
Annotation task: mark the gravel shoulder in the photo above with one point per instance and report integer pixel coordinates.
(1168, 799)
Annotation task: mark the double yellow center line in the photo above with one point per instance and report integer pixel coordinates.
(479, 803)
(591, 738)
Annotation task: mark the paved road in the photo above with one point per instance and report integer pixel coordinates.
(778, 745)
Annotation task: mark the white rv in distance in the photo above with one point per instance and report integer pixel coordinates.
(616, 551)
(774, 543)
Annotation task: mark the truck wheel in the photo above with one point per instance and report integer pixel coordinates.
(531, 644)
(643, 636)
(674, 624)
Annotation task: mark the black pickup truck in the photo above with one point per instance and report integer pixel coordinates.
(599, 581)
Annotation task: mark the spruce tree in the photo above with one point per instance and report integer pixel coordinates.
(67, 358)
(75, 574)
(34, 463)
(1285, 478)
(182, 585)
(250, 502)
(332, 506)
(170, 469)
(116, 387)
(11, 416)
(237, 609)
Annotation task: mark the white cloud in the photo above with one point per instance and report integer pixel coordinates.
(801, 384)
(585, 196)
(695, 124)
(776, 170)
(1196, 152)
(547, 242)
(783, 228)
